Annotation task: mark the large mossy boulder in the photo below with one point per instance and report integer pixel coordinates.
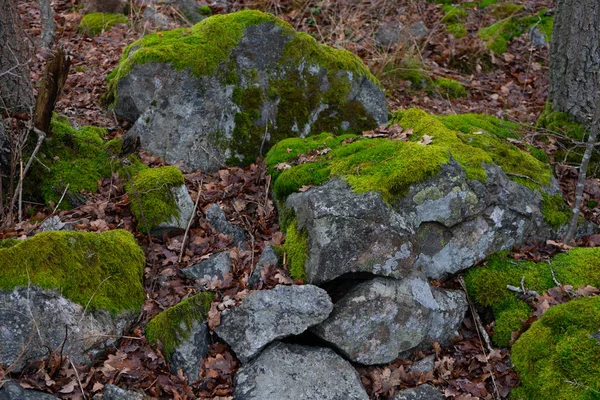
(559, 356)
(227, 89)
(74, 290)
(452, 195)
(487, 284)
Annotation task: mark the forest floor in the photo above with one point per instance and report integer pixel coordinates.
(511, 86)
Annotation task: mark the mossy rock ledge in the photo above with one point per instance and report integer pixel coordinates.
(227, 89)
(87, 286)
(393, 208)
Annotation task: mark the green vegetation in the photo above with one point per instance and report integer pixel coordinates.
(103, 270)
(454, 20)
(449, 88)
(563, 124)
(557, 358)
(296, 248)
(152, 198)
(78, 158)
(171, 327)
(205, 10)
(487, 284)
(499, 34)
(6, 243)
(94, 23)
(390, 167)
(205, 49)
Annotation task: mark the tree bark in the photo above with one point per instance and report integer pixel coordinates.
(16, 95)
(54, 79)
(48, 27)
(575, 58)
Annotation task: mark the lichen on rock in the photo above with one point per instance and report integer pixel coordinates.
(228, 88)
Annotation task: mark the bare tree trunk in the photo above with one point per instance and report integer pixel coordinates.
(16, 95)
(575, 58)
(48, 28)
(54, 79)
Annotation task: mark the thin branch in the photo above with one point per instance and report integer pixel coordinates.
(189, 225)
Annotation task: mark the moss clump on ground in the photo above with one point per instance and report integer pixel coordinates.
(454, 18)
(557, 358)
(487, 284)
(408, 69)
(94, 23)
(499, 34)
(97, 270)
(152, 198)
(449, 88)
(78, 158)
(171, 327)
(205, 10)
(390, 167)
(6, 243)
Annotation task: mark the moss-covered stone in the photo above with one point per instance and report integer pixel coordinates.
(487, 284)
(499, 34)
(172, 327)
(97, 270)
(390, 167)
(558, 358)
(449, 88)
(300, 88)
(94, 23)
(6, 243)
(152, 198)
(78, 158)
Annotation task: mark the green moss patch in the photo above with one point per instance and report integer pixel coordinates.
(94, 23)
(78, 158)
(487, 284)
(454, 18)
(499, 34)
(449, 88)
(97, 270)
(390, 167)
(171, 327)
(296, 249)
(557, 358)
(152, 198)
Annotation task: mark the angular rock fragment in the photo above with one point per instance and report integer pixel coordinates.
(294, 372)
(268, 315)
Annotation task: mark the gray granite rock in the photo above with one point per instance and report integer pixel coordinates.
(538, 39)
(217, 266)
(188, 355)
(219, 221)
(112, 392)
(11, 390)
(294, 372)
(418, 30)
(423, 392)
(192, 119)
(379, 319)
(269, 315)
(44, 317)
(389, 34)
(55, 224)
(268, 257)
(424, 365)
(442, 226)
(185, 204)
